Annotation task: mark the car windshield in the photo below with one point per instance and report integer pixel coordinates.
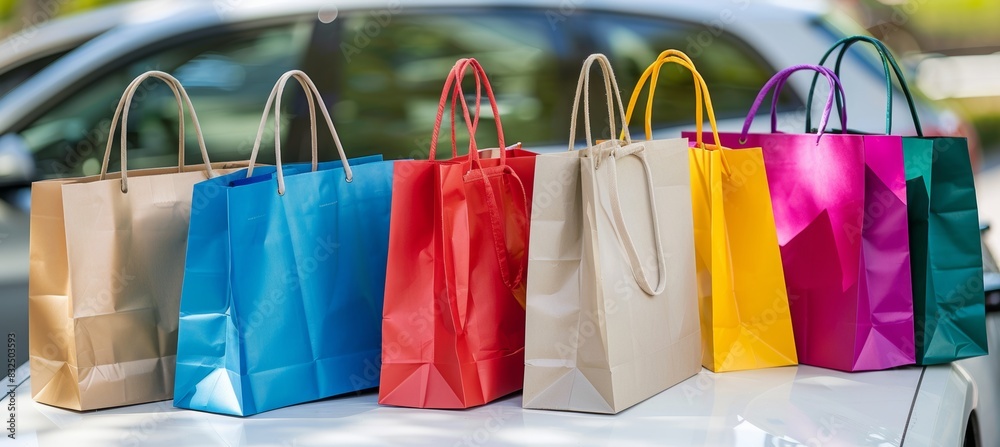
(13, 77)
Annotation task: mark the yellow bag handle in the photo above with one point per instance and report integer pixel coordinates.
(652, 73)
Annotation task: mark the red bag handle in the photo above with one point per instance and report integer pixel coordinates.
(456, 76)
(459, 72)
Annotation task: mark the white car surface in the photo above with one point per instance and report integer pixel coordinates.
(791, 406)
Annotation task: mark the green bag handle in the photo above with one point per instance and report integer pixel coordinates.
(887, 61)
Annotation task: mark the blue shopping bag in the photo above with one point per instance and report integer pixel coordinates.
(283, 282)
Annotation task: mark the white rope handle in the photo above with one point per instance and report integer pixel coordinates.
(314, 98)
(122, 111)
(620, 227)
(613, 96)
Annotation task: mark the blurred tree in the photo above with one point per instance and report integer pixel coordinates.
(930, 26)
(957, 26)
(6, 13)
(946, 27)
(19, 14)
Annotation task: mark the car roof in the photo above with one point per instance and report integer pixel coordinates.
(66, 33)
(704, 9)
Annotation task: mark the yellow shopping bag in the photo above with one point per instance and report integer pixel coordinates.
(745, 319)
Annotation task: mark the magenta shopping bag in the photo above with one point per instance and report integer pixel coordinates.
(839, 204)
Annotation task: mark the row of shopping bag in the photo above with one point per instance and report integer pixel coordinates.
(237, 288)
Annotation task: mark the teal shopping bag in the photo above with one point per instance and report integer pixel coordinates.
(283, 283)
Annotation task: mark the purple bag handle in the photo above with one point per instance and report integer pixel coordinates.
(774, 104)
(778, 81)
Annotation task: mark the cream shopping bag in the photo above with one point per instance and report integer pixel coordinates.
(106, 265)
(612, 302)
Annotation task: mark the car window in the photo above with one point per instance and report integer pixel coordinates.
(389, 78)
(733, 70)
(12, 77)
(228, 77)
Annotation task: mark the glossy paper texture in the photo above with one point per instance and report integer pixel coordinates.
(282, 296)
(745, 318)
(105, 283)
(945, 246)
(840, 209)
(453, 332)
(596, 342)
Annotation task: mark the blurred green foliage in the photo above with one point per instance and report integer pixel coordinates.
(949, 27)
(12, 10)
(988, 126)
(81, 5)
(976, 19)
(984, 115)
(6, 10)
(970, 24)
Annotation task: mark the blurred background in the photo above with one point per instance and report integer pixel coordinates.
(380, 66)
(954, 48)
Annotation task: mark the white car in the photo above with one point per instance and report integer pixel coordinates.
(380, 66)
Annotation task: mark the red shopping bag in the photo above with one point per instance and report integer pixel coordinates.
(453, 318)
